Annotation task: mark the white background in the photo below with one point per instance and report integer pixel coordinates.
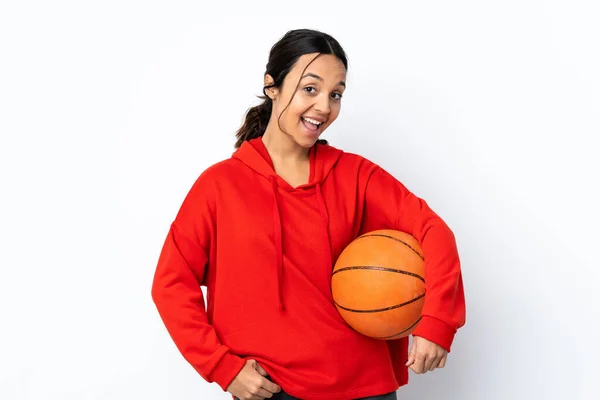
(110, 110)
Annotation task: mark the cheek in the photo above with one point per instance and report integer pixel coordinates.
(296, 109)
(335, 110)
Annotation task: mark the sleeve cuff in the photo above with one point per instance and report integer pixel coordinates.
(435, 331)
(226, 370)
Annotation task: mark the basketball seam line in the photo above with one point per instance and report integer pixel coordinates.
(382, 309)
(396, 239)
(399, 333)
(398, 271)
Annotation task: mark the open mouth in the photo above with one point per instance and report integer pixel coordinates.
(311, 124)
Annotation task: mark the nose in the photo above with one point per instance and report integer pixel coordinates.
(322, 105)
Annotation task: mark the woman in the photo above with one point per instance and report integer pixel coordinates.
(262, 230)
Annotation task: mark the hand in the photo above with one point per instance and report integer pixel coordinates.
(251, 384)
(425, 355)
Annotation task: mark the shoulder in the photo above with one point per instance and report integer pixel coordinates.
(207, 182)
(354, 162)
(358, 160)
(220, 170)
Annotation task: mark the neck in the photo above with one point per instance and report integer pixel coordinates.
(282, 146)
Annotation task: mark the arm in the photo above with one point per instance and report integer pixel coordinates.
(390, 204)
(177, 294)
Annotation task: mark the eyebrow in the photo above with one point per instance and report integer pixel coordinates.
(311, 75)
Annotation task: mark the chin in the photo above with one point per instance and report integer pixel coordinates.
(307, 138)
(306, 142)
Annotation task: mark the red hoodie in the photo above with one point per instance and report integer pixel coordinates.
(265, 252)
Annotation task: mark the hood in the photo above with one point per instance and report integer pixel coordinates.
(323, 158)
(254, 154)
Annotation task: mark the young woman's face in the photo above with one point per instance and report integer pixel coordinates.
(316, 102)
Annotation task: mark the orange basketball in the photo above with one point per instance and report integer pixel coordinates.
(378, 284)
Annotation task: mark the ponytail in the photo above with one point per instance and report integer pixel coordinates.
(255, 123)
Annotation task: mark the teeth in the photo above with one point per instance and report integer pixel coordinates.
(312, 121)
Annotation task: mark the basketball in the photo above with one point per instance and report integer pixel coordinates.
(378, 284)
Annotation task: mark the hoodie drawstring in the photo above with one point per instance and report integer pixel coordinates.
(253, 154)
(325, 217)
(278, 244)
(279, 236)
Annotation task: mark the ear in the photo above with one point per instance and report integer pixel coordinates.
(271, 92)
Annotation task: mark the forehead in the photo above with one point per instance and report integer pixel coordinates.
(327, 66)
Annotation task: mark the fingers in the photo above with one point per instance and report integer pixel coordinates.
(416, 356)
(255, 393)
(419, 364)
(265, 383)
(411, 356)
(424, 357)
(440, 356)
(251, 383)
(429, 362)
(425, 361)
(263, 394)
(270, 386)
(442, 363)
(434, 362)
(260, 369)
(412, 353)
(250, 396)
(263, 389)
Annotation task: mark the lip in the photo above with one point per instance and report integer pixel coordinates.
(318, 119)
(311, 132)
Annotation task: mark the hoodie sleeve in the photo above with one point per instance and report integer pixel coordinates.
(390, 204)
(176, 290)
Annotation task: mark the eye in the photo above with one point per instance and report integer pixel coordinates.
(310, 89)
(337, 96)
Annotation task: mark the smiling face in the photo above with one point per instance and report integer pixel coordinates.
(315, 89)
